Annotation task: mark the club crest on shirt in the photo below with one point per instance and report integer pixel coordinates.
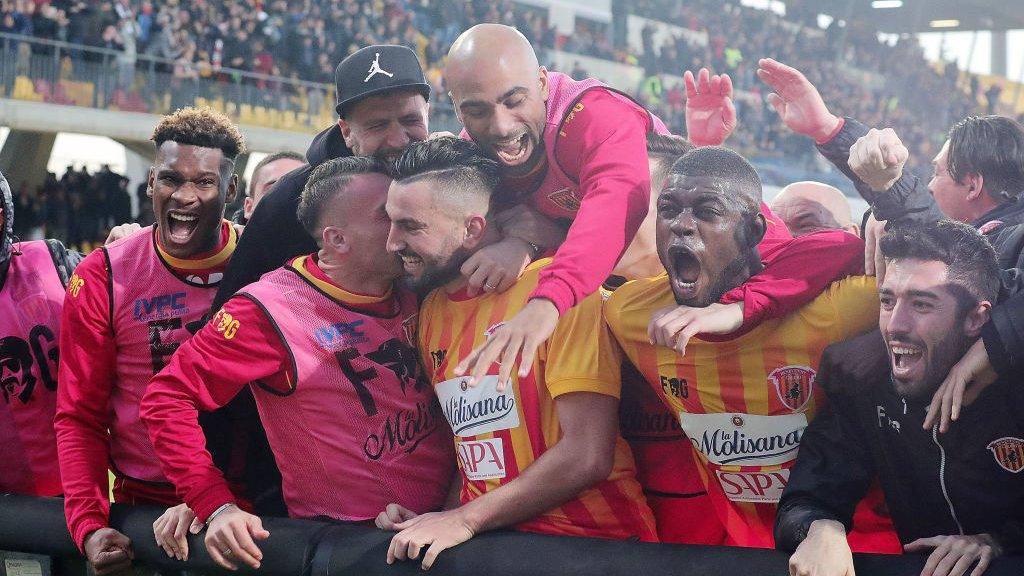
(1009, 453)
(793, 385)
(566, 199)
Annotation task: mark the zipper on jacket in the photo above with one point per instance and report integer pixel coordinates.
(942, 478)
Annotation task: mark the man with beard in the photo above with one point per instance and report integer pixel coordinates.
(958, 496)
(543, 454)
(33, 276)
(978, 179)
(326, 335)
(576, 151)
(129, 306)
(743, 402)
(379, 114)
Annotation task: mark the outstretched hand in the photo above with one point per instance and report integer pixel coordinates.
(797, 100)
(710, 113)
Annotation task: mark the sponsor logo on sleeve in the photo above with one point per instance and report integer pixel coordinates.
(75, 285)
(793, 385)
(225, 323)
(729, 439)
(760, 487)
(480, 409)
(1009, 453)
(482, 459)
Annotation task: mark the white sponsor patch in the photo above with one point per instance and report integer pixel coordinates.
(732, 439)
(765, 487)
(472, 411)
(482, 459)
(22, 567)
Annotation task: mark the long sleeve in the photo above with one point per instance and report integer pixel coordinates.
(605, 147)
(907, 201)
(85, 377)
(239, 345)
(272, 236)
(796, 273)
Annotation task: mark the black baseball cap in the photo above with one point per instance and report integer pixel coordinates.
(375, 70)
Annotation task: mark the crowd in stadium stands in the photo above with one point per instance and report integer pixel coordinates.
(604, 329)
(78, 207)
(305, 40)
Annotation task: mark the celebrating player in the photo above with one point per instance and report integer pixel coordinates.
(743, 402)
(129, 306)
(326, 340)
(958, 496)
(544, 454)
(33, 276)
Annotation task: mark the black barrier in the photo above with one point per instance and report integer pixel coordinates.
(302, 547)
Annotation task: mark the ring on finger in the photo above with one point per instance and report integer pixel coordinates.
(489, 287)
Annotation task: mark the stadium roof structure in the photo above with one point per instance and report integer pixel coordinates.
(897, 16)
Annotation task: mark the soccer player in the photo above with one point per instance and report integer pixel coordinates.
(958, 496)
(33, 276)
(573, 151)
(743, 402)
(327, 343)
(267, 173)
(543, 454)
(129, 306)
(808, 207)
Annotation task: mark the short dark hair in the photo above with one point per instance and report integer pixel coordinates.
(967, 254)
(992, 146)
(665, 149)
(456, 164)
(326, 181)
(200, 127)
(286, 155)
(722, 163)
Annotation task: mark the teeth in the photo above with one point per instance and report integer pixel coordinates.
(183, 217)
(905, 351)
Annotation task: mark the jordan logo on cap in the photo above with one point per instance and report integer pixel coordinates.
(376, 69)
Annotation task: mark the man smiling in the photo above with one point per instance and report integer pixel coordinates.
(957, 496)
(136, 301)
(743, 402)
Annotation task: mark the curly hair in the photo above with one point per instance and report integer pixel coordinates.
(200, 127)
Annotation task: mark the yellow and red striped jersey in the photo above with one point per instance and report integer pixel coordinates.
(497, 435)
(743, 403)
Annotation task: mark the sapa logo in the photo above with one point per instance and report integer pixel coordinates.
(763, 487)
(482, 459)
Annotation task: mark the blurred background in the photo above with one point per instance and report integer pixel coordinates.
(81, 81)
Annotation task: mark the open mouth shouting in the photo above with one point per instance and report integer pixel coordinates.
(907, 361)
(181, 227)
(684, 273)
(514, 151)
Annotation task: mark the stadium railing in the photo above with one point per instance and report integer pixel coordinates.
(36, 526)
(56, 72)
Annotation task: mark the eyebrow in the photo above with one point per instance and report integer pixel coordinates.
(506, 95)
(407, 221)
(912, 293)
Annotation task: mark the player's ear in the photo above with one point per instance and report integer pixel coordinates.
(756, 229)
(334, 239)
(476, 226)
(544, 83)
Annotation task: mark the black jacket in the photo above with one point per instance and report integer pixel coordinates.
(966, 481)
(234, 434)
(910, 201)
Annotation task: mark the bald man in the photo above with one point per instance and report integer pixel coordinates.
(809, 206)
(575, 151)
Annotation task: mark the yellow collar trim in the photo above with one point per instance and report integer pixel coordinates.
(206, 263)
(333, 290)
